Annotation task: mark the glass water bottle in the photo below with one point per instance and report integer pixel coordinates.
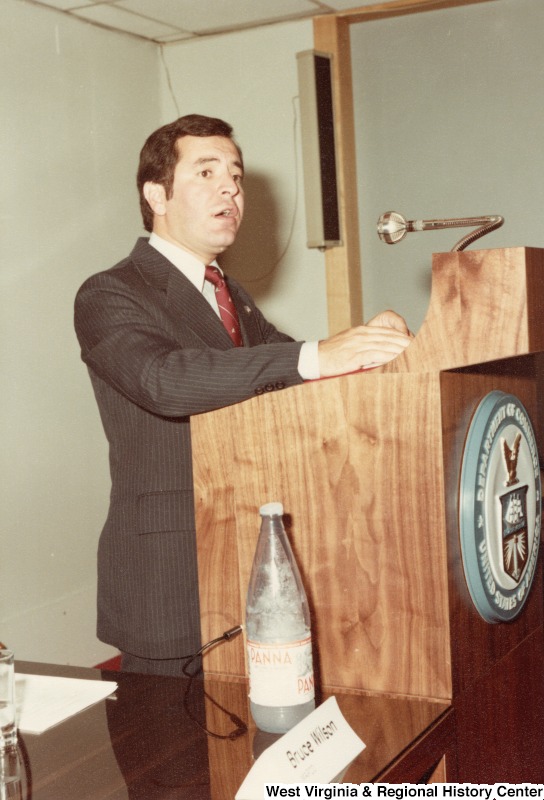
(281, 678)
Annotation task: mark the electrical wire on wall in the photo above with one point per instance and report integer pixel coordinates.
(169, 80)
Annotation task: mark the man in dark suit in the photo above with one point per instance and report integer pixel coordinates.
(157, 352)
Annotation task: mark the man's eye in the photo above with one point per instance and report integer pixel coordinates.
(206, 173)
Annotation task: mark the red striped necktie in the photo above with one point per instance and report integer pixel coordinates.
(227, 308)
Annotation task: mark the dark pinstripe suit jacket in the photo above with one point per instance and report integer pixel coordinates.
(157, 353)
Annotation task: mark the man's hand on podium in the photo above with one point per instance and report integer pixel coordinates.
(383, 338)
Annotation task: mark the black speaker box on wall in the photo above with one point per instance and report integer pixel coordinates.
(318, 149)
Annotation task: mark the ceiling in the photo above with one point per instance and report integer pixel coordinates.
(165, 21)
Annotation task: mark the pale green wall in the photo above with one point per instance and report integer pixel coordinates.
(450, 119)
(76, 104)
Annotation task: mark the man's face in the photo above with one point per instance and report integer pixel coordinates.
(207, 203)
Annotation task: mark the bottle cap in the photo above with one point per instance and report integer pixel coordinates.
(271, 510)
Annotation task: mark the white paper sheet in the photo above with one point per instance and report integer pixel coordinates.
(43, 701)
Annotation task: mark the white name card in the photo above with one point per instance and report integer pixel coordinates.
(317, 750)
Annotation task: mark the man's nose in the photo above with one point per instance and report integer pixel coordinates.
(230, 186)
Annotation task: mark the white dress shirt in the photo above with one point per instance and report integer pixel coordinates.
(193, 269)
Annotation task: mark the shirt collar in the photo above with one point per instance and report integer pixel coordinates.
(189, 265)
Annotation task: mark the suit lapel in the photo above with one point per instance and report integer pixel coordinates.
(184, 305)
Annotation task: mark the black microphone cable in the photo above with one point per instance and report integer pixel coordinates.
(241, 726)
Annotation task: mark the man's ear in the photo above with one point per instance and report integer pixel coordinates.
(155, 195)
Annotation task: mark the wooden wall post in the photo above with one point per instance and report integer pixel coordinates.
(344, 290)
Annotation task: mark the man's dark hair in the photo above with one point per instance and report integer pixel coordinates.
(160, 154)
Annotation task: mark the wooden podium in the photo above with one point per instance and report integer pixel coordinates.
(367, 467)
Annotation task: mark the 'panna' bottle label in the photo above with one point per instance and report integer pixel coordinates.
(281, 674)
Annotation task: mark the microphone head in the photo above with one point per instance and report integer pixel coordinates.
(392, 227)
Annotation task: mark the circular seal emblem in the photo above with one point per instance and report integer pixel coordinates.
(499, 507)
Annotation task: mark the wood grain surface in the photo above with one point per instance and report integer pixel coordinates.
(357, 463)
(484, 305)
(360, 464)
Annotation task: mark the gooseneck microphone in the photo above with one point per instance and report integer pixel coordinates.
(392, 227)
